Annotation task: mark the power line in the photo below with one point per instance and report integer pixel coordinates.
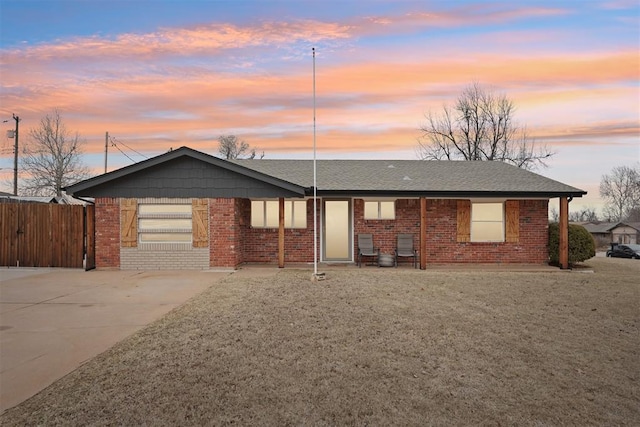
(114, 143)
(137, 152)
(125, 154)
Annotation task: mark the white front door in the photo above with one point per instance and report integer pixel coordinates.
(336, 230)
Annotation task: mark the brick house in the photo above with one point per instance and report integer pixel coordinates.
(187, 209)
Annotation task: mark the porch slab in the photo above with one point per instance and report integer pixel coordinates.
(506, 267)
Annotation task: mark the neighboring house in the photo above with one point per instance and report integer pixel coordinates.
(606, 233)
(27, 199)
(601, 232)
(61, 200)
(625, 232)
(66, 199)
(187, 209)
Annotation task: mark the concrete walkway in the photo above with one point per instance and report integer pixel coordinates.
(53, 320)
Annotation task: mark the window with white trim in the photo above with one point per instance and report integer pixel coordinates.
(487, 222)
(165, 223)
(265, 214)
(380, 210)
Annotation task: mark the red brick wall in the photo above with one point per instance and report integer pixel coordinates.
(225, 233)
(534, 231)
(225, 247)
(234, 242)
(442, 246)
(107, 232)
(385, 231)
(261, 244)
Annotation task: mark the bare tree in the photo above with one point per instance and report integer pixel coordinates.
(586, 214)
(233, 148)
(480, 126)
(6, 186)
(621, 192)
(634, 214)
(52, 158)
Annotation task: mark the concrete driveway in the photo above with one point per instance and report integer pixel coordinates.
(53, 320)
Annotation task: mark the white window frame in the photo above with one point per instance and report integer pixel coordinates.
(183, 217)
(292, 214)
(379, 210)
(477, 223)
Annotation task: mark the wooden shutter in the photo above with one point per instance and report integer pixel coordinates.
(512, 213)
(464, 221)
(129, 223)
(200, 222)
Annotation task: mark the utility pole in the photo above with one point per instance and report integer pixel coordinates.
(106, 150)
(15, 158)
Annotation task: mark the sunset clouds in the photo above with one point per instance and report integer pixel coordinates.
(572, 69)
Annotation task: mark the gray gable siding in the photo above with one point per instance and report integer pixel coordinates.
(186, 177)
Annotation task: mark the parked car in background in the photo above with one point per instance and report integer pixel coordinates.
(624, 251)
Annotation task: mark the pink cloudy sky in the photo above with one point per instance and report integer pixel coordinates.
(161, 74)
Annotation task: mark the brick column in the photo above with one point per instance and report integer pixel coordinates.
(107, 232)
(224, 232)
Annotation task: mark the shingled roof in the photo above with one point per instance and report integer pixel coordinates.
(413, 176)
(348, 178)
(599, 228)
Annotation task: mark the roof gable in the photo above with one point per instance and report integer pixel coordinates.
(185, 173)
(634, 225)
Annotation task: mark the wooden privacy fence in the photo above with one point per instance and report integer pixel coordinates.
(47, 235)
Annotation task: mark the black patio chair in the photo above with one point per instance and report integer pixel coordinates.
(405, 249)
(366, 248)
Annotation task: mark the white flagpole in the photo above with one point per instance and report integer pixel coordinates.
(315, 200)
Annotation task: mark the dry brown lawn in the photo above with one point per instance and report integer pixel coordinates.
(373, 347)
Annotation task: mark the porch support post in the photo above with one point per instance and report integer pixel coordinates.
(564, 233)
(281, 232)
(423, 233)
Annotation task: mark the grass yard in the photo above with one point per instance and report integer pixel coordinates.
(373, 347)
